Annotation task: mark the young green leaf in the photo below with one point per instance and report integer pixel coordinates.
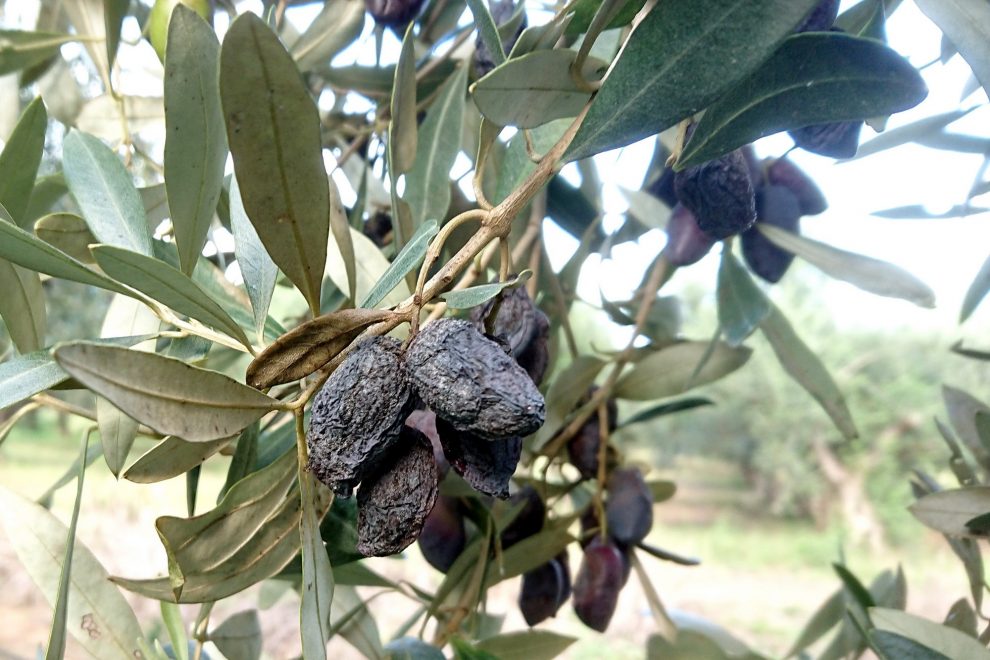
(170, 396)
(427, 188)
(408, 258)
(673, 65)
(257, 268)
(867, 273)
(479, 295)
(66, 232)
(805, 367)
(105, 193)
(158, 280)
(304, 349)
(741, 303)
(337, 25)
(812, 78)
(402, 129)
(93, 603)
(317, 576)
(56, 640)
(672, 370)
(195, 138)
(20, 158)
(172, 618)
(534, 89)
(170, 458)
(22, 50)
(273, 129)
(967, 24)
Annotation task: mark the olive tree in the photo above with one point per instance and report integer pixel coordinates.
(415, 345)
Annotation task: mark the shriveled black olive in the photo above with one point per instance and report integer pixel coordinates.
(487, 465)
(719, 193)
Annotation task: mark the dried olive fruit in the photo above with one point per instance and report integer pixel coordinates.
(779, 207)
(468, 380)
(425, 421)
(837, 139)
(782, 172)
(686, 243)
(597, 585)
(502, 11)
(487, 465)
(821, 17)
(663, 188)
(523, 327)
(528, 521)
(395, 14)
(719, 193)
(544, 589)
(444, 535)
(583, 448)
(394, 502)
(379, 228)
(629, 507)
(357, 415)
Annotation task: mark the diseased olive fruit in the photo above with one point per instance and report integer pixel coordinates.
(597, 585)
(719, 193)
(444, 534)
(821, 17)
(629, 507)
(487, 465)
(502, 11)
(469, 381)
(544, 589)
(783, 172)
(358, 413)
(529, 521)
(779, 207)
(837, 139)
(393, 503)
(522, 326)
(686, 243)
(394, 14)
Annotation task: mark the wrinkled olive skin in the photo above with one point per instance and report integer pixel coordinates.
(629, 507)
(544, 589)
(663, 188)
(686, 243)
(836, 140)
(487, 465)
(522, 327)
(597, 585)
(444, 534)
(720, 195)
(811, 199)
(779, 207)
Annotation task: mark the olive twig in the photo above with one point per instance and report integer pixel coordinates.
(603, 440)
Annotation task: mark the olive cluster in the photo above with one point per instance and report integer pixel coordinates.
(364, 428)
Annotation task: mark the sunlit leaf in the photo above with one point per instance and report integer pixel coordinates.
(967, 24)
(26, 375)
(674, 64)
(273, 129)
(948, 511)
(867, 273)
(337, 25)
(195, 141)
(910, 132)
(402, 130)
(170, 396)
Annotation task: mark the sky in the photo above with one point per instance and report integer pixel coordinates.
(945, 253)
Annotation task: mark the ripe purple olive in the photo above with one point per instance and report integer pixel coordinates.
(629, 507)
(444, 535)
(779, 207)
(544, 589)
(836, 139)
(686, 243)
(529, 520)
(599, 580)
(394, 14)
(783, 172)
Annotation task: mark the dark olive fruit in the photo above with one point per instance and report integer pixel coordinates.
(394, 502)
(529, 521)
(811, 199)
(720, 195)
(583, 448)
(502, 11)
(597, 585)
(425, 421)
(590, 528)
(544, 589)
(468, 380)
(629, 507)
(394, 14)
(779, 207)
(754, 165)
(836, 140)
(663, 188)
(686, 243)
(522, 326)
(357, 415)
(821, 17)
(487, 465)
(444, 535)
(379, 228)
(535, 357)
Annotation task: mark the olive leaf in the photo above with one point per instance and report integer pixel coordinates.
(741, 303)
(169, 396)
(674, 370)
(239, 636)
(308, 347)
(26, 375)
(273, 129)
(409, 257)
(949, 511)
(565, 392)
(22, 306)
(337, 25)
(943, 641)
(967, 24)
(371, 265)
(526, 644)
(478, 295)
(66, 232)
(867, 273)
(22, 50)
(317, 576)
(487, 30)
(195, 141)
(257, 268)
(20, 159)
(170, 458)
